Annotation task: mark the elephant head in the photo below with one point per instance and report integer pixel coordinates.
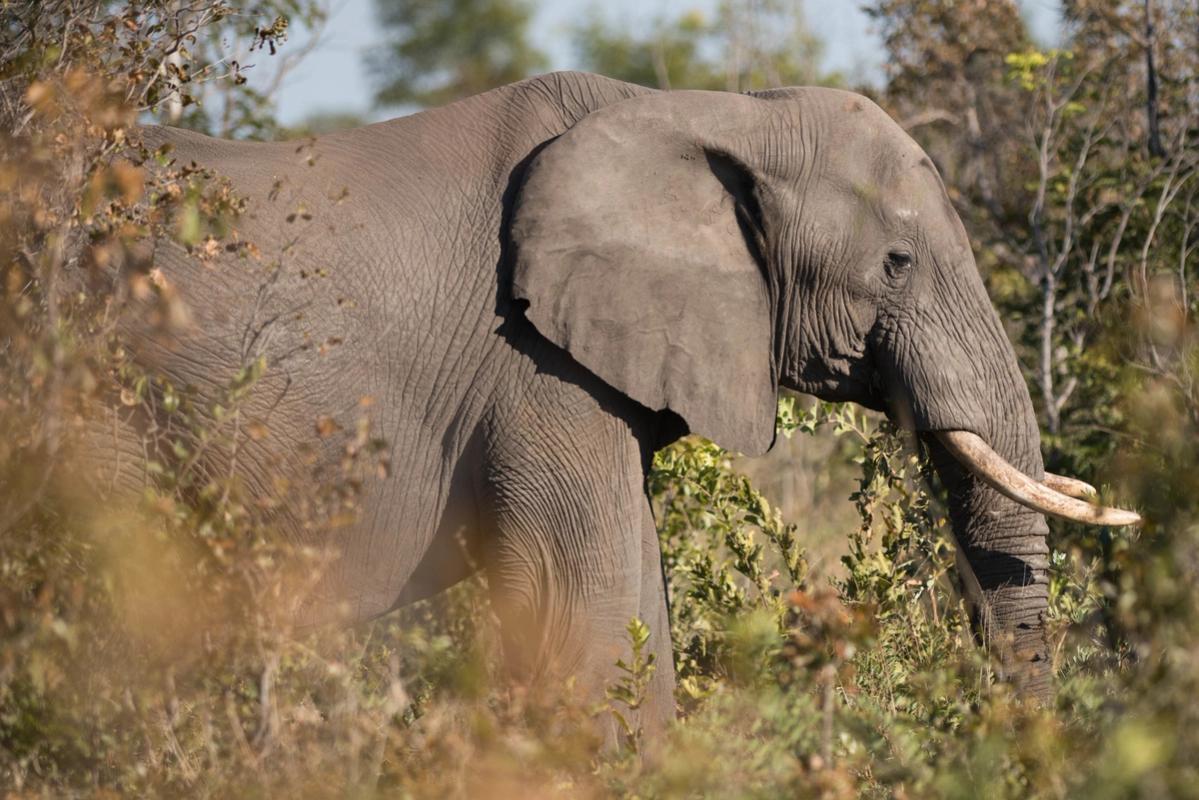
(698, 250)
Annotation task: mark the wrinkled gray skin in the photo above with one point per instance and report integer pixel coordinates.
(543, 284)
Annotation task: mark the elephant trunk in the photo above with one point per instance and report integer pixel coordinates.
(996, 512)
(948, 371)
(1003, 561)
(963, 391)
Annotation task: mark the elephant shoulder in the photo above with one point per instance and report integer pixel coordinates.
(580, 92)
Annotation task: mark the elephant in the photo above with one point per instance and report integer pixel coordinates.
(542, 285)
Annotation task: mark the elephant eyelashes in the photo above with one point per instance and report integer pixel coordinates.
(898, 265)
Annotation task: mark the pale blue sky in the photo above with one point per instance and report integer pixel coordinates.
(332, 77)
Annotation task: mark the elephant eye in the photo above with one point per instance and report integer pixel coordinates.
(898, 264)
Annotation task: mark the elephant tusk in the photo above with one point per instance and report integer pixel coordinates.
(1051, 497)
(1071, 487)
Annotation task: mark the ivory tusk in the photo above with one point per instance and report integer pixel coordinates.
(1071, 487)
(977, 456)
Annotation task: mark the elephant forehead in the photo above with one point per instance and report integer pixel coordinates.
(912, 191)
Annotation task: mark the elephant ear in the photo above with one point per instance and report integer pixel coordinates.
(635, 237)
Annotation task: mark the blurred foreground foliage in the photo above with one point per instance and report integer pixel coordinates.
(111, 682)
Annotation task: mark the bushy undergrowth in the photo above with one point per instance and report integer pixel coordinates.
(114, 679)
(872, 686)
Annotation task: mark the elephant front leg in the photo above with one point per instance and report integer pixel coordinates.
(658, 705)
(572, 560)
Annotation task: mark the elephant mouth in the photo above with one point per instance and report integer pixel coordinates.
(1056, 495)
